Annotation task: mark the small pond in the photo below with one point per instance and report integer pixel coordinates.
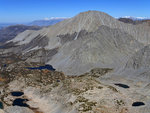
(49, 67)
(138, 104)
(5, 65)
(122, 85)
(2, 47)
(17, 93)
(1, 105)
(20, 102)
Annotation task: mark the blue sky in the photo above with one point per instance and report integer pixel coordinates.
(29, 10)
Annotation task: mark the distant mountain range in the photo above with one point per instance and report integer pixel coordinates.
(135, 21)
(8, 33)
(10, 30)
(47, 22)
(6, 24)
(54, 20)
(43, 22)
(136, 18)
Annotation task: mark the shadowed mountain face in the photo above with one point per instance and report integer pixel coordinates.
(11, 32)
(105, 47)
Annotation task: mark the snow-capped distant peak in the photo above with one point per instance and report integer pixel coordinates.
(46, 18)
(48, 21)
(136, 18)
(55, 18)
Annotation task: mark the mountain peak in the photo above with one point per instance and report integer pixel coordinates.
(92, 13)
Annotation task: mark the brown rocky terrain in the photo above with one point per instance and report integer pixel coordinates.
(52, 92)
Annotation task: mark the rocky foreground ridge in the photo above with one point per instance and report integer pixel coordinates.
(45, 91)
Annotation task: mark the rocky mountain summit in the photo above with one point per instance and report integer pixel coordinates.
(90, 36)
(91, 63)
